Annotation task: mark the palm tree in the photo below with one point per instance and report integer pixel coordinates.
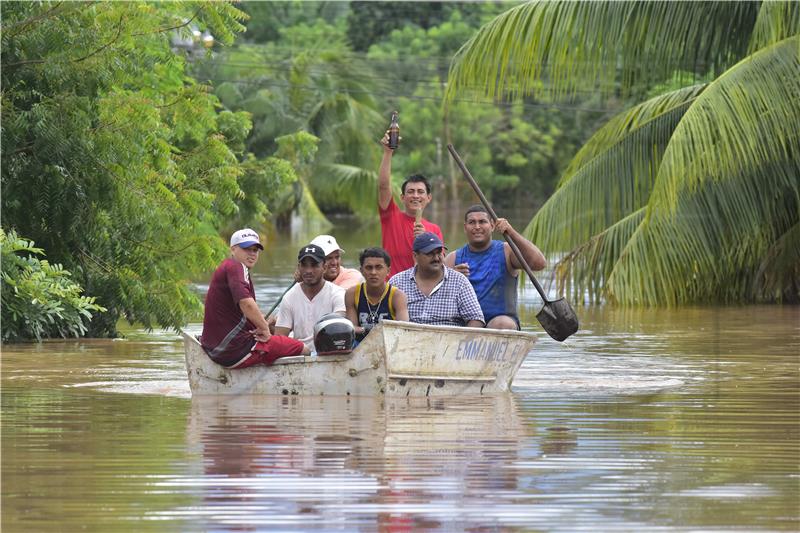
(692, 196)
(318, 87)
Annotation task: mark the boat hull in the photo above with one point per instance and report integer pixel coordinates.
(395, 359)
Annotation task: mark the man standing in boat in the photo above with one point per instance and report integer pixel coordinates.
(235, 333)
(399, 228)
(437, 294)
(334, 271)
(491, 266)
(374, 300)
(310, 299)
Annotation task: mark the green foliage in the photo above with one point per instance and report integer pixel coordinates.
(371, 22)
(691, 196)
(39, 299)
(300, 149)
(114, 161)
(517, 148)
(267, 19)
(308, 78)
(304, 83)
(597, 45)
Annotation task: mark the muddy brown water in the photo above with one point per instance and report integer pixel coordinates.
(645, 420)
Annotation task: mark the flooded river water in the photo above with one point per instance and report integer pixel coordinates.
(665, 420)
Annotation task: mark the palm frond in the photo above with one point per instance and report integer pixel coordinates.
(624, 124)
(591, 45)
(613, 175)
(778, 277)
(748, 117)
(361, 186)
(727, 189)
(584, 271)
(777, 20)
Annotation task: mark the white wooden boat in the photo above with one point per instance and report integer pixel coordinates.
(395, 359)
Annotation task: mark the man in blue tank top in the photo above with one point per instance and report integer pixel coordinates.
(491, 266)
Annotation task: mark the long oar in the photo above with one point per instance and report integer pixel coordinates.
(271, 309)
(556, 317)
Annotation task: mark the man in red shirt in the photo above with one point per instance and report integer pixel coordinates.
(235, 332)
(399, 228)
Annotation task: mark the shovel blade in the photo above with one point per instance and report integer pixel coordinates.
(558, 319)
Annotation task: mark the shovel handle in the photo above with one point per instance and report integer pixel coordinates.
(485, 202)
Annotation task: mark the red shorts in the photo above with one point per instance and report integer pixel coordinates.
(265, 353)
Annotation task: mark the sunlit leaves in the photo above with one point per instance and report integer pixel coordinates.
(114, 161)
(595, 45)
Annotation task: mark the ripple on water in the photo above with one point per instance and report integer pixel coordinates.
(657, 425)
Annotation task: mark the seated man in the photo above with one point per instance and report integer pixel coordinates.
(437, 294)
(235, 333)
(310, 299)
(491, 266)
(334, 271)
(374, 300)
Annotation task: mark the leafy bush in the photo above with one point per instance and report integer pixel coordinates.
(39, 299)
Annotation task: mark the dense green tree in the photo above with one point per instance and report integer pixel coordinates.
(268, 18)
(116, 162)
(370, 22)
(307, 81)
(691, 196)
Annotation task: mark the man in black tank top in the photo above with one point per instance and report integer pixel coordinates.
(374, 300)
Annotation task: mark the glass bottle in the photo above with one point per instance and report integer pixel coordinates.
(394, 132)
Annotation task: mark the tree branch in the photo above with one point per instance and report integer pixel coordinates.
(26, 22)
(162, 30)
(112, 41)
(37, 61)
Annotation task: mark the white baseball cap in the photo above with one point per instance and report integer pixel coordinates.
(327, 243)
(245, 238)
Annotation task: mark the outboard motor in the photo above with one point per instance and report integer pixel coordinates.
(334, 334)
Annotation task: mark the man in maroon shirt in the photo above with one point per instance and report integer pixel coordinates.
(399, 228)
(235, 332)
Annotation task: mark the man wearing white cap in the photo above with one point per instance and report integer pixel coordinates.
(334, 271)
(235, 333)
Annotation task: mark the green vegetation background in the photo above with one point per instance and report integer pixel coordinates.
(129, 147)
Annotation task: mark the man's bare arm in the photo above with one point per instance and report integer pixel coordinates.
(530, 252)
(350, 307)
(450, 261)
(385, 174)
(251, 311)
(400, 304)
(282, 331)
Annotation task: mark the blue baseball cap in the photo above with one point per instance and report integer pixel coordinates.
(427, 242)
(245, 238)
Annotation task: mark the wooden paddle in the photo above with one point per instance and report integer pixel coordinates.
(556, 317)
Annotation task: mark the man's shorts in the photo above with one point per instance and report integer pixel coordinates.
(265, 353)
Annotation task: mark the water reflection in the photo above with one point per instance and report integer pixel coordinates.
(646, 420)
(406, 463)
